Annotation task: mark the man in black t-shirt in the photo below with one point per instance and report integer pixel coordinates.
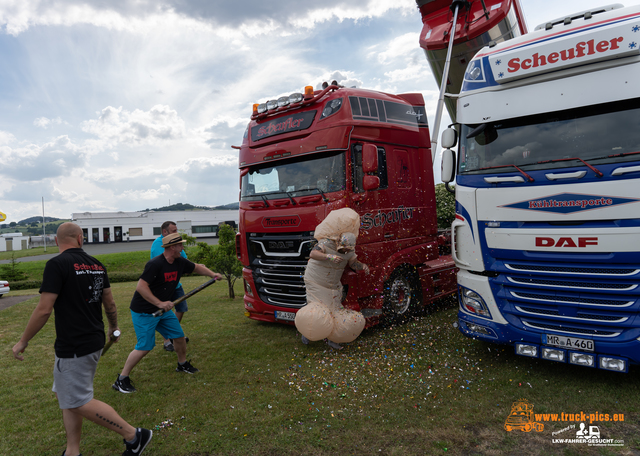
(155, 288)
(75, 286)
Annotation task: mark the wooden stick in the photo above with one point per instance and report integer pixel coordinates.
(159, 312)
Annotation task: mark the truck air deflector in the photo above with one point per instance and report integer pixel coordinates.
(384, 111)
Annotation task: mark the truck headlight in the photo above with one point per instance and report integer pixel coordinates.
(613, 364)
(247, 288)
(473, 303)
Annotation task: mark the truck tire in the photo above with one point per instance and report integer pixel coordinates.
(401, 294)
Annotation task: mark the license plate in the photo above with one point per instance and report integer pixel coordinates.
(288, 316)
(569, 342)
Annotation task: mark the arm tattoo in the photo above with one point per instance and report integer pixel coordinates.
(112, 316)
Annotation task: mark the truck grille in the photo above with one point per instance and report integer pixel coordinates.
(278, 262)
(564, 270)
(586, 300)
(571, 330)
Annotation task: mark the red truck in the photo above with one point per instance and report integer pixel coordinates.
(307, 154)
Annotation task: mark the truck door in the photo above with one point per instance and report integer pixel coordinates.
(369, 204)
(403, 195)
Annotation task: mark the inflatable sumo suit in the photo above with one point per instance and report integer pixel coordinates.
(324, 316)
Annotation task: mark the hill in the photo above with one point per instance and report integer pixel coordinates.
(230, 206)
(190, 207)
(37, 219)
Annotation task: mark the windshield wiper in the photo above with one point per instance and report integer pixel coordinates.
(529, 178)
(591, 167)
(324, 198)
(291, 198)
(619, 155)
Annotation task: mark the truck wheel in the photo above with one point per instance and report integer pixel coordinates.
(401, 293)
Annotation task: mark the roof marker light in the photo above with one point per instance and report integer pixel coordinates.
(262, 108)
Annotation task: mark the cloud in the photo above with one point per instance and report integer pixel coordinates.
(160, 89)
(33, 163)
(209, 180)
(44, 122)
(251, 16)
(119, 126)
(6, 138)
(343, 78)
(34, 195)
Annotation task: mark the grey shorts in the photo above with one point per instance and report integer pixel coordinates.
(73, 379)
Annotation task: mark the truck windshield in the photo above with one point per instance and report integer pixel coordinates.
(315, 174)
(600, 134)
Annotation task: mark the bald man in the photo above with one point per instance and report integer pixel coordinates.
(75, 286)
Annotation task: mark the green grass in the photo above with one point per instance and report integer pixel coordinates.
(132, 262)
(114, 262)
(415, 389)
(51, 249)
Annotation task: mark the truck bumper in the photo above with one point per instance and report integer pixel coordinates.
(616, 356)
(254, 308)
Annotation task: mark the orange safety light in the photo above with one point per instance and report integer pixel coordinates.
(255, 109)
(308, 92)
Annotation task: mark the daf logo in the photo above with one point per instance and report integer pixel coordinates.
(566, 242)
(414, 113)
(280, 245)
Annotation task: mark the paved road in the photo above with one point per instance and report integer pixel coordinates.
(100, 249)
(8, 301)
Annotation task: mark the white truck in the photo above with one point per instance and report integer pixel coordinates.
(547, 184)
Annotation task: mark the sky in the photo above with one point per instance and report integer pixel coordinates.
(124, 105)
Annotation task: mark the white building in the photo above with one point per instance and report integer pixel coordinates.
(13, 241)
(145, 226)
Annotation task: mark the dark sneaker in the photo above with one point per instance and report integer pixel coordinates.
(169, 347)
(143, 437)
(334, 345)
(186, 367)
(124, 385)
(305, 340)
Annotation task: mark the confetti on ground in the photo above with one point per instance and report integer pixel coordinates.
(419, 364)
(164, 424)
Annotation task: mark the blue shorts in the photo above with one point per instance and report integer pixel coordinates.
(146, 326)
(181, 306)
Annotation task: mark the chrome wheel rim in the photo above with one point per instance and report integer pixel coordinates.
(400, 296)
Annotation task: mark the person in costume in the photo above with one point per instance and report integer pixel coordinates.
(324, 316)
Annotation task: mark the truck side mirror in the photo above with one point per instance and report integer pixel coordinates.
(370, 182)
(448, 166)
(369, 158)
(449, 138)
